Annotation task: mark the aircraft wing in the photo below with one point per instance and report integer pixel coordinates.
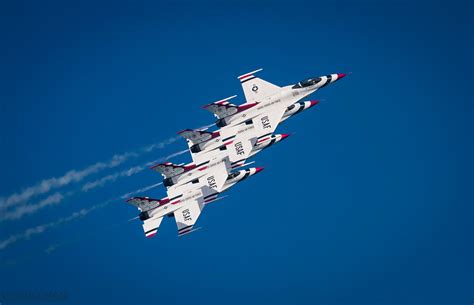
(240, 149)
(268, 121)
(217, 176)
(187, 216)
(255, 89)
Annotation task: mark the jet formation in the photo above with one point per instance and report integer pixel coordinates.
(219, 157)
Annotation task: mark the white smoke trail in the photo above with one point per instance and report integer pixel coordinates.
(23, 210)
(54, 247)
(70, 177)
(50, 249)
(28, 233)
(111, 178)
(160, 145)
(74, 175)
(126, 173)
(125, 196)
(162, 159)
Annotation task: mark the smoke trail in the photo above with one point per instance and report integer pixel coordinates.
(111, 178)
(160, 145)
(28, 233)
(74, 175)
(29, 209)
(126, 173)
(125, 196)
(70, 177)
(169, 157)
(56, 198)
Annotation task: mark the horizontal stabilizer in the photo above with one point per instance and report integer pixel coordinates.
(225, 109)
(197, 136)
(145, 203)
(169, 170)
(222, 108)
(150, 226)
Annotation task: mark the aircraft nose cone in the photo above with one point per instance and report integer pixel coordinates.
(340, 75)
(313, 103)
(284, 136)
(258, 169)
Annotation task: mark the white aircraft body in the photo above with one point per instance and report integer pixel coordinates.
(243, 127)
(185, 207)
(243, 132)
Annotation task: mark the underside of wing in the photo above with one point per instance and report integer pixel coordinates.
(240, 149)
(267, 122)
(187, 216)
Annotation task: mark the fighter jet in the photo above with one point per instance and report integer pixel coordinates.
(233, 143)
(266, 103)
(244, 131)
(239, 141)
(244, 127)
(184, 207)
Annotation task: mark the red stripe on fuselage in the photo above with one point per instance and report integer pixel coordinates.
(245, 107)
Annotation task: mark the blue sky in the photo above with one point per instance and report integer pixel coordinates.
(370, 202)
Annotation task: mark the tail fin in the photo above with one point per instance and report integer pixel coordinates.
(169, 170)
(256, 88)
(222, 108)
(197, 136)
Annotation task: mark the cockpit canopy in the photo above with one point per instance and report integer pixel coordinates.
(307, 82)
(233, 175)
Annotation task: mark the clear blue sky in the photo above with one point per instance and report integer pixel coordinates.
(370, 202)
